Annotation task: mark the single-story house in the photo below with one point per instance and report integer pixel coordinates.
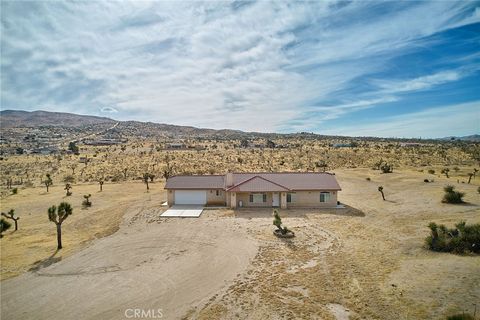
(281, 189)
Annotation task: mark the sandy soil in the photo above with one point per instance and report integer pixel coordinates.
(366, 261)
(168, 264)
(34, 243)
(363, 262)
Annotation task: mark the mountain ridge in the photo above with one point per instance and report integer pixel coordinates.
(41, 118)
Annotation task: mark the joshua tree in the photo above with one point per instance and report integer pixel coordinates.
(10, 215)
(380, 189)
(87, 202)
(125, 173)
(321, 164)
(4, 226)
(48, 182)
(378, 164)
(445, 172)
(277, 222)
(167, 171)
(146, 176)
(470, 175)
(270, 144)
(475, 170)
(151, 176)
(68, 186)
(57, 215)
(73, 147)
(73, 167)
(100, 182)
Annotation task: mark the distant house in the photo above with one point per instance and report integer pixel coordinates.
(175, 146)
(105, 142)
(411, 144)
(45, 150)
(343, 145)
(282, 189)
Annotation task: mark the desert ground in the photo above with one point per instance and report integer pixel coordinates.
(366, 261)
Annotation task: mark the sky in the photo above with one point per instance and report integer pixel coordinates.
(391, 69)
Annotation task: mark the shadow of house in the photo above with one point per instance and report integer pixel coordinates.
(249, 213)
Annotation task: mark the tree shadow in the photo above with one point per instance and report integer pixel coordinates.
(289, 243)
(40, 264)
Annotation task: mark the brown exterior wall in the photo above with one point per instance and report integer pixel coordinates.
(213, 199)
(245, 198)
(305, 199)
(311, 199)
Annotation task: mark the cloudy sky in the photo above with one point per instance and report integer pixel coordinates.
(404, 69)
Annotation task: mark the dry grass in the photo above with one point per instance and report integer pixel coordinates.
(367, 261)
(34, 244)
(374, 265)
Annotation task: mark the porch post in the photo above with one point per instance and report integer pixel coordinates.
(283, 200)
(233, 200)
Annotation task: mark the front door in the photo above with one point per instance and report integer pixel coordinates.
(275, 199)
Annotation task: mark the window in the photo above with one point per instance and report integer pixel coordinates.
(290, 197)
(258, 197)
(324, 196)
(217, 193)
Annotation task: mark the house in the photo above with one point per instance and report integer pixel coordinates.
(176, 146)
(281, 189)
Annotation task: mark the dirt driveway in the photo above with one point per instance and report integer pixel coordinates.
(169, 264)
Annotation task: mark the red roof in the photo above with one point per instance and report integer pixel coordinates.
(258, 182)
(195, 182)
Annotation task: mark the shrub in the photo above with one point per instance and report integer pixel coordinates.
(426, 180)
(461, 316)
(431, 171)
(460, 239)
(452, 196)
(14, 190)
(4, 225)
(69, 179)
(386, 168)
(368, 178)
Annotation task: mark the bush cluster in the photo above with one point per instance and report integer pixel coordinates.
(386, 168)
(452, 196)
(461, 239)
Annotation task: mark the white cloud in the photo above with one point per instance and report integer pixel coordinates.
(453, 120)
(256, 67)
(108, 110)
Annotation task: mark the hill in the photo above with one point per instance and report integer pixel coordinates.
(18, 118)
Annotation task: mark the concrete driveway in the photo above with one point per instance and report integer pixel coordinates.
(183, 211)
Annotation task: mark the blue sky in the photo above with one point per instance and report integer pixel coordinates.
(393, 69)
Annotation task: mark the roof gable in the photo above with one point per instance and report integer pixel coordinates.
(294, 181)
(257, 184)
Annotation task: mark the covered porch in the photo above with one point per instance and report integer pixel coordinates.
(265, 199)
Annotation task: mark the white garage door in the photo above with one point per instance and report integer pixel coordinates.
(190, 197)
